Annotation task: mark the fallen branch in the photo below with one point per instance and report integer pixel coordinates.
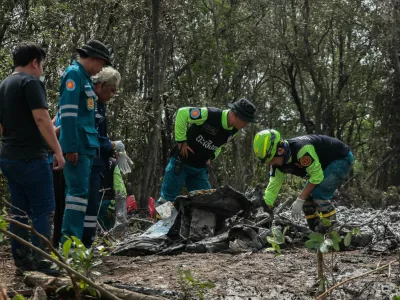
(35, 278)
(355, 277)
(140, 220)
(47, 242)
(103, 291)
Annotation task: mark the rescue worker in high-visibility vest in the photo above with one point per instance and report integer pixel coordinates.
(210, 128)
(324, 160)
(78, 135)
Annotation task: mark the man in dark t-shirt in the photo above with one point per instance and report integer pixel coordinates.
(27, 131)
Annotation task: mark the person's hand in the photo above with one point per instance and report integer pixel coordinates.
(208, 162)
(297, 209)
(119, 146)
(59, 161)
(184, 148)
(72, 157)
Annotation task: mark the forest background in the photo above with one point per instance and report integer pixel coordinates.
(328, 67)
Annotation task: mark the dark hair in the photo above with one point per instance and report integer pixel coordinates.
(83, 54)
(24, 53)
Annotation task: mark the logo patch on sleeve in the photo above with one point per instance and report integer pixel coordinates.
(306, 160)
(195, 113)
(90, 103)
(70, 85)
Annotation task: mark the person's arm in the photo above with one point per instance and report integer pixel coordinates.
(57, 131)
(46, 128)
(69, 104)
(35, 94)
(218, 151)
(275, 182)
(3, 293)
(185, 116)
(308, 158)
(105, 143)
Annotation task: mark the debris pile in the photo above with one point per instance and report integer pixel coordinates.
(225, 220)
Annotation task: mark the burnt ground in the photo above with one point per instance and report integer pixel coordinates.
(244, 276)
(261, 275)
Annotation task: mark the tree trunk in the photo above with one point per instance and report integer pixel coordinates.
(123, 62)
(159, 66)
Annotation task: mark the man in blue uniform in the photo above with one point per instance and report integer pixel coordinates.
(106, 84)
(78, 135)
(210, 128)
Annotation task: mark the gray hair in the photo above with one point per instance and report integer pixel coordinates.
(108, 76)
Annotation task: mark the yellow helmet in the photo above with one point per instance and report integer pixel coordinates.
(265, 144)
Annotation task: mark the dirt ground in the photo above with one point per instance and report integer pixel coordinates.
(245, 276)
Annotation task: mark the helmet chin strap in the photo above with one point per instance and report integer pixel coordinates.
(287, 154)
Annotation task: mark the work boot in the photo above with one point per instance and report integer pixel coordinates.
(23, 264)
(42, 265)
(313, 223)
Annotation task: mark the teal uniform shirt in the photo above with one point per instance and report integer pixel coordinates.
(77, 105)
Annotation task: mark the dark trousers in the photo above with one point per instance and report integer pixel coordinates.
(31, 189)
(89, 227)
(59, 195)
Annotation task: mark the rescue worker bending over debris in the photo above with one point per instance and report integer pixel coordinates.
(78, 135)
(326, 161)
(210, 129)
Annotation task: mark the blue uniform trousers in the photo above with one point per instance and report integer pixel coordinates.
(320, 200)
(193, 179)
(89, 228)
(31, 189)
(77, 194)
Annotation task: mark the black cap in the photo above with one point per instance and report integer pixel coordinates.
(95, 48)
(244, 109)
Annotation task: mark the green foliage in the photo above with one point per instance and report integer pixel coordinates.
(82, 260)
(396, 298)
(324, 242)
(3, 223)
(191, 287)
(18, 297)
(369, 196)
(339, 79)
(277, 239)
